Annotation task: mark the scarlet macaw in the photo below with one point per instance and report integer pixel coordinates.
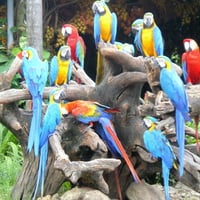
(75, 42)
(150, 40)
(174, 88)
(158, 145)
(105, 29)
(89, 112)
(35, 73)
(51, 119)
(191, 71)
(61, 67)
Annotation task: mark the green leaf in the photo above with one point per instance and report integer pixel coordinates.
(45, 54)
(3, 58)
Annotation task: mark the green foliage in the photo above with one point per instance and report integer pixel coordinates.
(175, 57)
(65, 187)
(10, 161)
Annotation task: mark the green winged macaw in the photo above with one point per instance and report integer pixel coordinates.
(75, 42)
(51, 119)
(136, 26)
(158, 145)
(150, 40)
(174, 88)
(61, 67)
(191, 71)
(105, 29)
(90, 112)
(125, 47)
(35, 73)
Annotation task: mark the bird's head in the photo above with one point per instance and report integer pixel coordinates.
(65, 52)
(137, 25)
(98, 7)
(190, 44)
(164, 62)
(64, 110)
(68, 29)
(29, 53)
(150, 121)
(148, 20)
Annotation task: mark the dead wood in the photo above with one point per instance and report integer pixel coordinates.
(81, 157)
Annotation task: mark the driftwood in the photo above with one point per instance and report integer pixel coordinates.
(80, 156)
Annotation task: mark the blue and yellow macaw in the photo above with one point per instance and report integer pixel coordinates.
(136, 26)
(35, 73)
(105, 29)
(125, 47)
(150, 40)
(89, 112)
(51, 119)
(174, 88)
(61, 67)
(158, 145)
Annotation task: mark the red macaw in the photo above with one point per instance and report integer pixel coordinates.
(173, 86)
(61, 67)
(150, 40)
(75, 42)
(158, 145)
(51, 119)
(89, 112)
(191, 71)
(35, 73)
(105, 29)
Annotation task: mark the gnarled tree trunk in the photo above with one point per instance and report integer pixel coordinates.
(81, 157)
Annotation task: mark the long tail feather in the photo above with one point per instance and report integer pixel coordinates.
(180, 135)
(41, 170)
(35, 129)
(165, 174)
(196, 121)
(106, 123)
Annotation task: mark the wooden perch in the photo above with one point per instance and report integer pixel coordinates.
(82, 157)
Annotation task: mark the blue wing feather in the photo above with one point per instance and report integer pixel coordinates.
(158, 41)
(96, 29)
(53, 70)
(114, 28)
(184, 68)
(80, 53)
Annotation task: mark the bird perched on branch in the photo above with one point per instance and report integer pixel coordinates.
(35, 73)
(158, 145)
(150, 40)
(90, 112)
(191, 71)
(105, 29)
(174, 88)
(76, 43)
(136, 26)
(61, 67)
(51, 119)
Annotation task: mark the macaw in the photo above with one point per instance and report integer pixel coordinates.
(135, 27)
(158, 145)
(75, 42)
(105, 29)
(61, 67)
(150, 40)
(174, 88)
(125, 47)
(191, 71)
(51, 119)
(90, 112)
(35, 73)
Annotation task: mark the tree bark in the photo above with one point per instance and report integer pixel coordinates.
(80, 156)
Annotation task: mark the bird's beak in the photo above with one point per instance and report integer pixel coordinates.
(64, 112)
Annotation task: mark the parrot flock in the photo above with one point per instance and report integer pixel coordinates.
(148, 41)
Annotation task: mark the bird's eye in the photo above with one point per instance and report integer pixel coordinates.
(25, 54)
(161, 62)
